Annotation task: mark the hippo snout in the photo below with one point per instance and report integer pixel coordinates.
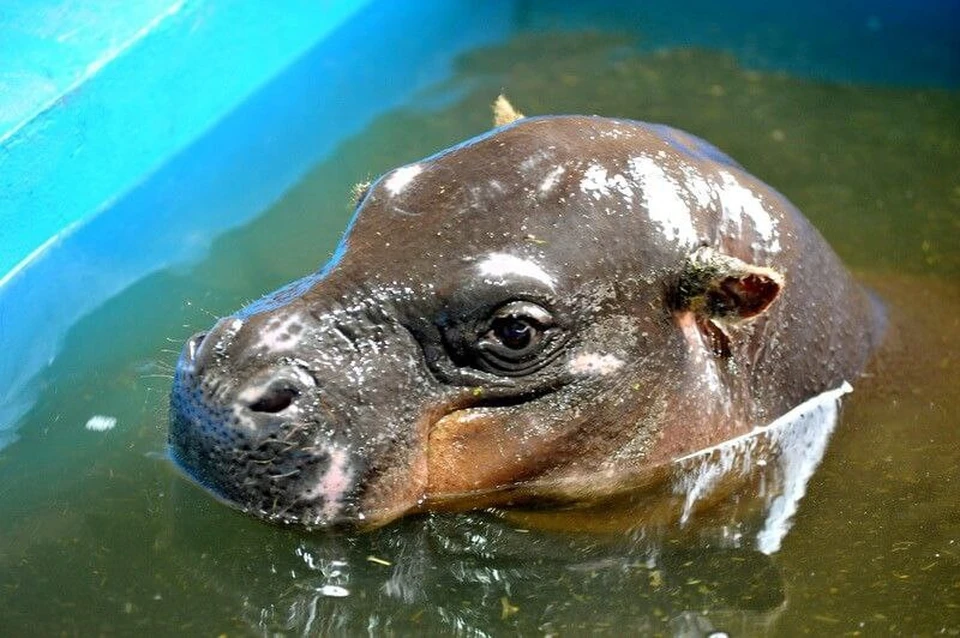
(256, 440)
(274, 390)
(282, 414)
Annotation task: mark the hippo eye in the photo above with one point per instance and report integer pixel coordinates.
(515, 333)
(515, 337)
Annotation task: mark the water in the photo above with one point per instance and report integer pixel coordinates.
(99, 535)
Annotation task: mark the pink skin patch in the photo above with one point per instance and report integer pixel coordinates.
(334, 484)
(591, 363)
(701, 359)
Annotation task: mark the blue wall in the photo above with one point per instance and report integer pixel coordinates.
(99, 93)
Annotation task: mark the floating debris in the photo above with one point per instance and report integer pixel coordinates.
(379, 561)
(100, 423)
(508, 609)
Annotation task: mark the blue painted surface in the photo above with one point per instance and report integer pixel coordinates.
(49, 47)
(140, 88)
(133, 133)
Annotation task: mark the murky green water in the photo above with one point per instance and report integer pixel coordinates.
(99, 535)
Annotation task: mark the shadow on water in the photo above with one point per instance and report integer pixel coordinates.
(100, 535)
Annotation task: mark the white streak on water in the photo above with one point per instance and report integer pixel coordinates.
(333, 591)
(792, 446)
(801, 448)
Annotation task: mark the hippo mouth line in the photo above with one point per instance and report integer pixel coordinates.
(318, 510)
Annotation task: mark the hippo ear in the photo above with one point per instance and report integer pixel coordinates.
(723, 291)
(503, 112)
(718, 287)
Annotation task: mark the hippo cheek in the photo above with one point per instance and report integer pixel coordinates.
(396, 477)
(476, 456)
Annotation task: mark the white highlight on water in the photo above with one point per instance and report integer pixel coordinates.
(333, 591)
(101, 423)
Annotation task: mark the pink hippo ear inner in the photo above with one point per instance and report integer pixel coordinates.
(723, 292)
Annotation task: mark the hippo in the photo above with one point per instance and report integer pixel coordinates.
(535, 316)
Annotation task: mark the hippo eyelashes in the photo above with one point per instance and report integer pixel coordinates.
(519, 333)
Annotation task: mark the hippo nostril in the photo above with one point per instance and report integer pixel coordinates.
(275, 399)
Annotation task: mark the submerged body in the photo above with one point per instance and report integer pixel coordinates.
(543, 313)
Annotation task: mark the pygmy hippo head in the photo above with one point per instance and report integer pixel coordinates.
(535, 315)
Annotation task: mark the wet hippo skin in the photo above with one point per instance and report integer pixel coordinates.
(537, 314)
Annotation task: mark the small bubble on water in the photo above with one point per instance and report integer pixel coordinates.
(333, 591)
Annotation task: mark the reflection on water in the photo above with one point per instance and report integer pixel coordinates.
(100, 535)
(478, 575)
